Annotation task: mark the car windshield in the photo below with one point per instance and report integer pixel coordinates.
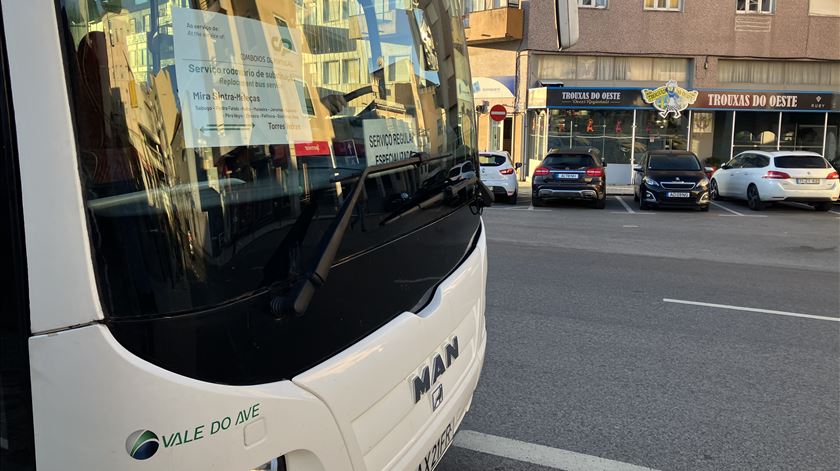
(217, 145)
(491, 160)
(569, 161)
(800, 161)
(673, 162)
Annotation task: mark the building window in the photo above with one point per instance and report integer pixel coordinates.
(330, 72)
(824, 8)
(668, 5)
(779, 72)
(592, 3)
(481, 5)
(755, 6)
(634, 69)
(350, 71)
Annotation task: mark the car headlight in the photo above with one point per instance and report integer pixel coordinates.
(651, 182)
(703, 183)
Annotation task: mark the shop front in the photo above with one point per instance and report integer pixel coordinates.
(624, 123)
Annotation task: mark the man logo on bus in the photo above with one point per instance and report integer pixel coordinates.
(670, 99)
(142, 444)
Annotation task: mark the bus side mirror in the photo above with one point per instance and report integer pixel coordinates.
(566, 22)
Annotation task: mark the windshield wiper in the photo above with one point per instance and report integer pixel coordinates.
(450, 191)
(296, 300)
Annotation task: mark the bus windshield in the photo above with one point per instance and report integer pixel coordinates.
(217, 139)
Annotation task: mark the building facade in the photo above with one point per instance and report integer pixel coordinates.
(712, 76)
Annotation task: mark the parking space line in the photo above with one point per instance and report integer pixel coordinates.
(727, 209)
(538, 454)
(835, 212)
(752, 309)
(626, 206)
(736, 213)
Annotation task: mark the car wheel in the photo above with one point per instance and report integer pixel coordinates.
(601, 203)
(754, 199)
(823, 206)
(635, 197)
(512, 199)
(642, 204)
(536, 201)
(704, 208)
(713, 191)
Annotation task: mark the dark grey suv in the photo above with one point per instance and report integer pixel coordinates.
(570, 174)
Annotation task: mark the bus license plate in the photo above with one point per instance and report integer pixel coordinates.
(567, 176)
(678, 194)
(808, 181)
(435, 453)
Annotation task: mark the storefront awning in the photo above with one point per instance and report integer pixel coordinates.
(488, 88)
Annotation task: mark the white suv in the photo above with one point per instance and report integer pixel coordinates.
(765, 177)
(498, 174)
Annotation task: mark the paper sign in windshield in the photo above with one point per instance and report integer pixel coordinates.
(238, 80)
(388, 140)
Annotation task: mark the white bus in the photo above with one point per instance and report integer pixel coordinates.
(237, 234)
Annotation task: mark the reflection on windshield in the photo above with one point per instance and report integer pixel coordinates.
(212, 133)
(669, 162)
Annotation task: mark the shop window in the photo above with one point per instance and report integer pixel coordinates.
(592, 3)
(668, 5)
(802, 131)
(824, 8)
(755, 6)
(609, 131)
(536, 135)
(832, 139)
(756, 130)
(654, 132)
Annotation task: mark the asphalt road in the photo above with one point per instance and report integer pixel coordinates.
(584, 356)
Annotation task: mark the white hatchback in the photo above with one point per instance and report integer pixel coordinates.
(499, 174)
(762, 177)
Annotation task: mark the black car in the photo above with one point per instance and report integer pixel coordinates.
(671, 178)
(570, 174)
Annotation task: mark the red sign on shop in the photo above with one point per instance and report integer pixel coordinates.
(498, 112)
(303, 149)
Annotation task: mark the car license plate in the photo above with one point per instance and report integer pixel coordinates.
(678, 194)
(435, 453)
(566, 176)
(808, 181)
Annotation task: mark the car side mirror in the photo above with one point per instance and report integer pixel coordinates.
(637, 168)
(724, 166)
(605, 164)
(518, 165)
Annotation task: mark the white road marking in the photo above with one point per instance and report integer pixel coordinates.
(629, 225)
(538, 454)
(742, 215)
(835, 212)
(727, 209)
(626, 206)
(752, 309)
